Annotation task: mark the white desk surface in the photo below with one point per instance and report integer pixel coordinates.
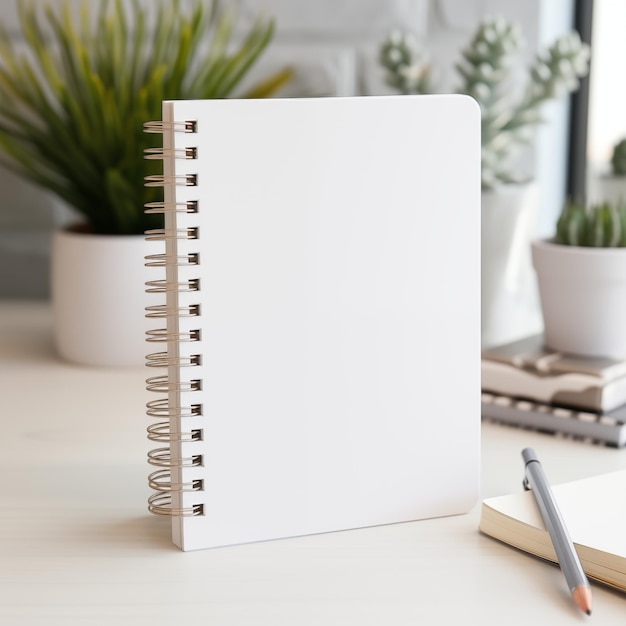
(77, 545)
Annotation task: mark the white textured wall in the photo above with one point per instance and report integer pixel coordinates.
(333, 46)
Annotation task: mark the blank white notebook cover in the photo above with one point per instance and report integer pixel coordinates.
(336, 261)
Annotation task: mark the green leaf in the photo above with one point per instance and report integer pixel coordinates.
(72, 110)
(271, 85)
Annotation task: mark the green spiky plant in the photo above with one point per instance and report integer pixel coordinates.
(72, 109)
(487, 71)
(618, 159)
(599, 226)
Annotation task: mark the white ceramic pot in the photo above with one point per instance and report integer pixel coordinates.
(99, 299)
(583, 298)
(509, 302)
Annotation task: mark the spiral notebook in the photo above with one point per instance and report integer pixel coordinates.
(320, 266)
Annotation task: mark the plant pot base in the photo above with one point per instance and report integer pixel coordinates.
(583, 298)
(99, 299)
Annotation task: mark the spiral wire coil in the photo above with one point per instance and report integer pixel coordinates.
(165, 480)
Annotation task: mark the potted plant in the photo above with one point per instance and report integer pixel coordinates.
(509, 117)
(71, 120)
(582, 281)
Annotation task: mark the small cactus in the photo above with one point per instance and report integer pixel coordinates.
(618, 160)
(599, 226)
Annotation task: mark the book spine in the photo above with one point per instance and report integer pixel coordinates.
(574, 389)
(600, 428)
(176, 428)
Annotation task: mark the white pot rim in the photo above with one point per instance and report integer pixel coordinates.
(566, 250)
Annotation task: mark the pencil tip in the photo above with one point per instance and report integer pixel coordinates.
(582, 597)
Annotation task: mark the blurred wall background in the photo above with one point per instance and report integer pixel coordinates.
(333, 46)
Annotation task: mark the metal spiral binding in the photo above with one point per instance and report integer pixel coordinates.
(163, 311)
(163, 359)
(163, 234)
(162, 457)
(162, 384)
(182, 180)
(152, 208)
(158, 154)
(159, 335)
(164, 286)
(162, 260)
(160, 127)
(165, 480)
(161, 408)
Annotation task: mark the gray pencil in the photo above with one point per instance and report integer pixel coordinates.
(563, 546)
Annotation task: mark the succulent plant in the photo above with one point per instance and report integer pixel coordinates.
(486, 70)
(406, 63)
(600, 226)
(72, 109)
(618, 160)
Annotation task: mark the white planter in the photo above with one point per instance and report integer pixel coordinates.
(509, 302)
(583, 298)
(99, 299)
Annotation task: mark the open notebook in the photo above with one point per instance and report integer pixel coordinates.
(594, 510)
(321, 317)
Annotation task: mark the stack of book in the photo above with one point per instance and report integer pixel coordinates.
(526, 384)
